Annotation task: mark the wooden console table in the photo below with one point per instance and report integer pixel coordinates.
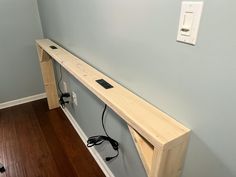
(160, 140)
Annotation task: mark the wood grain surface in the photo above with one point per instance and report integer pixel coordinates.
(36, 142)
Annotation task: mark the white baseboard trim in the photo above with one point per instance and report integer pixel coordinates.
(22, 100)
(102, 164)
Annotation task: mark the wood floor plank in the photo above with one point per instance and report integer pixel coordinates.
(36, 142)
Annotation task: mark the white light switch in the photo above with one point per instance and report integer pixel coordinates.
(189, 22)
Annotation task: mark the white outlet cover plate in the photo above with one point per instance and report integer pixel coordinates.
(74, 98)
(189, 23)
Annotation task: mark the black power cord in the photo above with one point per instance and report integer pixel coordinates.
(59, 80)
(62, 95)
(99, 139)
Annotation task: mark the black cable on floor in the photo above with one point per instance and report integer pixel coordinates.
(2, 168)
(99, 139)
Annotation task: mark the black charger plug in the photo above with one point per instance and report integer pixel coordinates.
(2, 169)
(62, 101)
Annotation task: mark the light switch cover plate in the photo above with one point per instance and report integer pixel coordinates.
(189, 22)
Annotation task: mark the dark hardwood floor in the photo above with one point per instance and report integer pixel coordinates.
(36, 142)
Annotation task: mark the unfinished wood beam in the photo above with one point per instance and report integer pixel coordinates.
(169, 162)
(48, 78)
(144, 148)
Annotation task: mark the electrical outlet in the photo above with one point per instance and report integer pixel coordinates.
(74, 98)
(65, 86)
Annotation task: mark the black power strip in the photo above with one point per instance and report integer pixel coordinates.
(104, 83)
(53, 47)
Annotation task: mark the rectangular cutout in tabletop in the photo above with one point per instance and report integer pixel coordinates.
(104, 83)
(53, 47)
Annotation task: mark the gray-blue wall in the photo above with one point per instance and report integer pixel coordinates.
(19, 67)
(88, 115)
(134, 42)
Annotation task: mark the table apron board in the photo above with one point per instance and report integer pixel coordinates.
(161, 141)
